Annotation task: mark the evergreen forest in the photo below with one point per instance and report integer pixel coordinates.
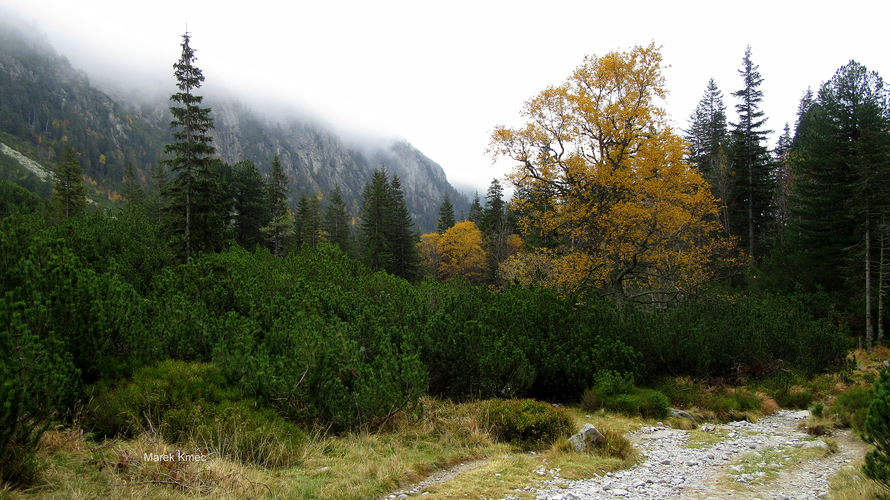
(628, 251)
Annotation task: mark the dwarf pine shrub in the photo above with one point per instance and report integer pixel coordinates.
(877, 432)
(525, 422)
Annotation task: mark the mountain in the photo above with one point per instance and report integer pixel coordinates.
(46, 104)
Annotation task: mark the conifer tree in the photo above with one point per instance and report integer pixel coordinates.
(308, 225)
(191, 189)
(280, 227)
(493, 213)
(376, 210)
(336, 221)
(783, 179)
(250, 207)
(708, 139)
(158, 195)
(134, 194)
(475, 213)
(403, 258)
(707, 133)
(446, 216)
(842, 174)
(752, 167)
(68, 188)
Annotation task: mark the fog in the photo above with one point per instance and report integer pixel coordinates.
(441, 76)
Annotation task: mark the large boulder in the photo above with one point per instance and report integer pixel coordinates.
(586, 437)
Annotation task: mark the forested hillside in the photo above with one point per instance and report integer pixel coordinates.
(264, 281)
(47, 104)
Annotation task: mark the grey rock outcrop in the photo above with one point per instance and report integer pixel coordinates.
(586, 437)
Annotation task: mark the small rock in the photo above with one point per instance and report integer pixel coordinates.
(816, 444)
(619, 493)
(588, 435)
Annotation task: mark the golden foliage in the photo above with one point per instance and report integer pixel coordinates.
(598, 166)
(456, 252)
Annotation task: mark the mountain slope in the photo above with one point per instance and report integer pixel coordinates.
(45, 104)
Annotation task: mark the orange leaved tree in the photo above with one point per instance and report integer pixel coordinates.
(603, 171)
(456, 252)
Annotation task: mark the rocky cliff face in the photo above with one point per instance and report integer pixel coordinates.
(46, 105)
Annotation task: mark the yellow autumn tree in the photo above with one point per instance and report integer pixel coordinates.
(456, 252)
(429, 253)
(599, 169)
(462, 252)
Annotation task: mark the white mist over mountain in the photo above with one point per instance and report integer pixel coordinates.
(442, 75)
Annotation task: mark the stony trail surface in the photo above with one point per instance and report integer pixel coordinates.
(767, 460)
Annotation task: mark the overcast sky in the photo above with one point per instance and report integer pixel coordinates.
(443, 74)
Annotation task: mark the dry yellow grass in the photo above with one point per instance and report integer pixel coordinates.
(349, 466)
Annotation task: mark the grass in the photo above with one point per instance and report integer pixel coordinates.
(349, 466)
(699, 438)
(764, 465)
(851, 484)
(439, 436)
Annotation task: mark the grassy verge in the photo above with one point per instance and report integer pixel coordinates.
(349, 466)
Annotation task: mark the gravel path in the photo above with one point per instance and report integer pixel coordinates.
(767, 460)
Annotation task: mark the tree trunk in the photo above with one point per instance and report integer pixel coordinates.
(881, 271)
(868, 325)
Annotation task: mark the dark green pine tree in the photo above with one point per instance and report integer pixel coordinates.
(841, 197)
(784, 182)
(189, 160)
(446, 216)
(877, 432)
(280, 228)
(754, 185)
(158, 195)
(404, 260)
(475, 213)
(376, 211)
(495, 228)
(493, 215)
(308, 223)
(250, 208)
(133, 192)
(707, 133)
(708, 138)
(69, 191)
(336, 221)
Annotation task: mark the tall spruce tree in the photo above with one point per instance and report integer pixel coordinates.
(69, 191)
(250, 207)
(475, 213)
(842, 189)
(191, 192)
(754, 184)
(708, 140)
(336, 221)
(280, 227)
(403, 258)
(446, 216)
(493, 214)
(376, 212)
(707, 133)
(495, 228)
(784, 181)
(308, 225)
(133, 193)
(158, 197)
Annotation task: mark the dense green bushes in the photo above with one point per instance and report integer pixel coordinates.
(191, 404)
(877, 432)
(526, 422)
(618, 393)
(318, 337)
